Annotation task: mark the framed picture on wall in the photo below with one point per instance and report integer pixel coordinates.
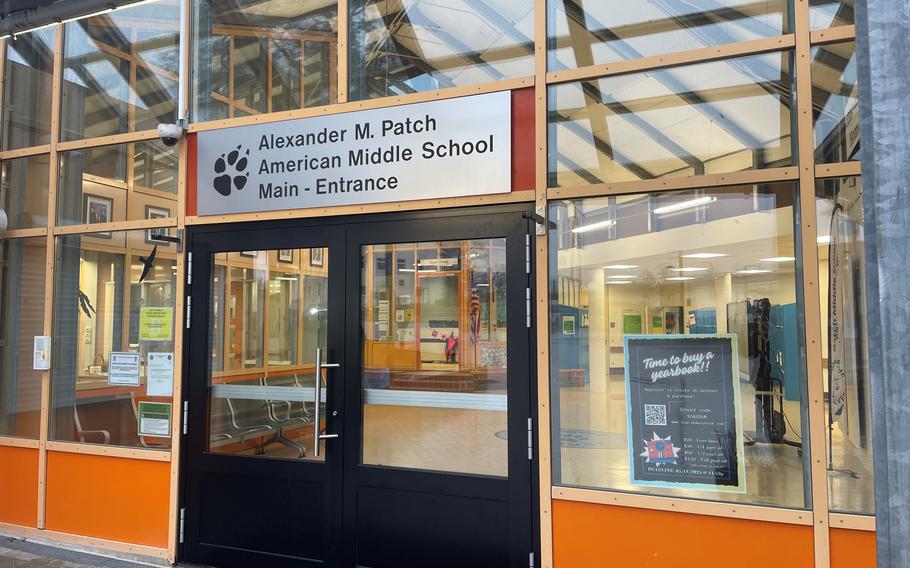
(152, 212)
(316, 257)
(97, 209)
(285, 255)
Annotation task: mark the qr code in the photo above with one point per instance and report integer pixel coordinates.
(655, 415)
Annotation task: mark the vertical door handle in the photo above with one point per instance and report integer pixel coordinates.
(318, 398)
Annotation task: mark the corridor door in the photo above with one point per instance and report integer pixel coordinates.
(423, 409)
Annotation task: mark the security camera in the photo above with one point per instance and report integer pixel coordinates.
(170, 134)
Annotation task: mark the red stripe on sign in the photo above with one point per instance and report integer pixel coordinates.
(191, 208)
(523, 139)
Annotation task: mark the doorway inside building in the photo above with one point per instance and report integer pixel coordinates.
(358, 393)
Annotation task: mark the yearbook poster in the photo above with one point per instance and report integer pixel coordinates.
(684, 411)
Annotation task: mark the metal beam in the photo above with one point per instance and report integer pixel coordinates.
(883, 65)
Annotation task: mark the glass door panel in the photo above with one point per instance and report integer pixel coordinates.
(262, 397)
(434, 352)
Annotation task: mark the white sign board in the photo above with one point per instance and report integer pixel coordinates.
(446, 148)
(159, 373)
(123, 369)
(42, 353)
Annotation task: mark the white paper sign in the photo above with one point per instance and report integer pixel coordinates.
(159, 374)
(123, 369)
(447, 148)
(42, 355)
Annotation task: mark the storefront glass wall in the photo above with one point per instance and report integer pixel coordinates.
(845, 348)
(120, 71)
(112, 379)
(835, 103)
(262, 58)
(124, 182)
(707, 118)
(23, 191)
(676, 265)
(27, 107)
(594, 33)
(418, 45)
(22, 283)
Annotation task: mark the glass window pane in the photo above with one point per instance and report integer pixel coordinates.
(265, 407)
(252, 59)
(845, 344)
(830, 13)
(434, 374)
(120, 71)
(679, 266)
(419, 45)
(835, 103)
(112, 378)
(23, 191)
(707, 118)
(124, 182)
(22, 282)
(594, 33)
(27, 107)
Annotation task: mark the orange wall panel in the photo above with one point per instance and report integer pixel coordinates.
(106, 497)
(852, 549)
(587, 535)
(19, 486)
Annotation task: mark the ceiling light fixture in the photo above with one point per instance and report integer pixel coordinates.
(680, 278)
(622, 276)
(824, 240)
(612, 282)
(753, 271)
(688, 269)
(682, 205)
(705, 255)
(594, 226)
(621, 266)
(778, 259)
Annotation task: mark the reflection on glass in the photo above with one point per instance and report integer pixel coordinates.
(112, 379)
(434, 351)
(713, 261)
(120, 71)
(27, 107)
(22, 281)
(842, 278)
(830, 13)
(96, 185)
(835, 103)
(419, 45)
(592, 33)
(698, 119)
(268, 57)
(23, 191)
(272, 302)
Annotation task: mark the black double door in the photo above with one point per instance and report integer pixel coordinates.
(358, 393)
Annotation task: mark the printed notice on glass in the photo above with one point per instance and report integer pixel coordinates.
(123, 369)
(156, 324)
(160, 374)
(684, 411)
(155, 419)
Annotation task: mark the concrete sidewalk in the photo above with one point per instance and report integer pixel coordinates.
(15, 553)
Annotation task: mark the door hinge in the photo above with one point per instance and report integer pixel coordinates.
(528, 306)
(182, 522)
(527, 253)
(189, 305)
(186, 416)
(531, 559)
(530, 439)
(189, 268)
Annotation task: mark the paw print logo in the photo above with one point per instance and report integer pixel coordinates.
(231, 172)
